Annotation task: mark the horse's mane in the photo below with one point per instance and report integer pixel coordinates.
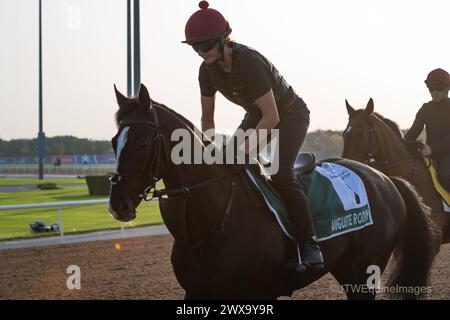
(410, 145)
(391, 124)
(176, 114)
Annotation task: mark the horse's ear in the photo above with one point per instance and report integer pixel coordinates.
(121, 99)
(350, 110)
(370, 107)
(144, 97)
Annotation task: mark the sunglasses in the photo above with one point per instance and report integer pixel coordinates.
(439, 89)
(205, 46)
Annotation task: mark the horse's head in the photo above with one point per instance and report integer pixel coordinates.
(360, 141)
(139, 148)
(375, 140)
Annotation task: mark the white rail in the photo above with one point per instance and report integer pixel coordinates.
(53, 204)
(60, 205)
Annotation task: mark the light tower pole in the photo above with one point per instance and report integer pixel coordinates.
(41, 134)
(137, 49)
(133, 48)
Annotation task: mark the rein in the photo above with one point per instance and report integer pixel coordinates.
(183, 190)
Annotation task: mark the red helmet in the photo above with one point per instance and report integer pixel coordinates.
(438, 77)
(206, 24)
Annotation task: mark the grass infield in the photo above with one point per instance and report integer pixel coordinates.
(15, 223)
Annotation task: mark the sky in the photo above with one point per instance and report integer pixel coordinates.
(327, 50)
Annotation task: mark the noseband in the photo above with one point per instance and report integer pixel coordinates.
(371, 161)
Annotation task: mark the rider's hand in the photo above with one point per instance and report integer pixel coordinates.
(425, 150)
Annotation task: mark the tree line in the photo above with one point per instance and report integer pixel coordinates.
(325, 143)
(59, 145)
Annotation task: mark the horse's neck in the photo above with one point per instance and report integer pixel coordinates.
(403, 164)
(207, 198)
(413, 169)
(185, 174)
(191, 174)
(394, 152)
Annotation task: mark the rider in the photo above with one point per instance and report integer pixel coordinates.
(247, 78)
(435, 115)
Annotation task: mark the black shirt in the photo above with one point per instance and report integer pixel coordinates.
(256, 74)
(435, 116)
(253, 74)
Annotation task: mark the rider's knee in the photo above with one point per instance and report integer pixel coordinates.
(286, 180)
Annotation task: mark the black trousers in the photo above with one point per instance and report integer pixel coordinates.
(443, 171)
(293, 126)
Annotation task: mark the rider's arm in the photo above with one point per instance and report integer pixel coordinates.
(417, 126)
(208, 95)
(256, 79)
(208, 104)
(270, 118)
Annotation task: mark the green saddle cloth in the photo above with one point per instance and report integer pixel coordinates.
(336, 196)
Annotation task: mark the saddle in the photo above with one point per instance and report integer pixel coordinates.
(305, 163)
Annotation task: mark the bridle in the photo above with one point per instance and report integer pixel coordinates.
(154, 173)
(386, 164)
(371, 161)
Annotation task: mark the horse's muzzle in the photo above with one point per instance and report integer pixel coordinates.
(121, 215)
(121, 208)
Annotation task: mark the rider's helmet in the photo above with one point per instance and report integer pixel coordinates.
(438, 77)
(206, 24)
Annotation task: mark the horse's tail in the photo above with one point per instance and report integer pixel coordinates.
(416, 250)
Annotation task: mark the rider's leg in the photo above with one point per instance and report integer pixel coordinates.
(292, 131)
(301, 220)
(443, 170)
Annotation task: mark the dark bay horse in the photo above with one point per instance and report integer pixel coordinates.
(377, 141)
(227, 244)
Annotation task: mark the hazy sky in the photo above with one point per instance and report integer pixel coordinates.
(327, 50)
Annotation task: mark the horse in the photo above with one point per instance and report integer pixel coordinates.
(377, 141)
(227, 244)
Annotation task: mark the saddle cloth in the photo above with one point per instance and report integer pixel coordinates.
(336, 195)
(445, 195)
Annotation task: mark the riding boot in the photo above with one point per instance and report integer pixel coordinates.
(310, 256)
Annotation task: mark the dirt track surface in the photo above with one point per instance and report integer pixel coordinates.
(141, 269)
